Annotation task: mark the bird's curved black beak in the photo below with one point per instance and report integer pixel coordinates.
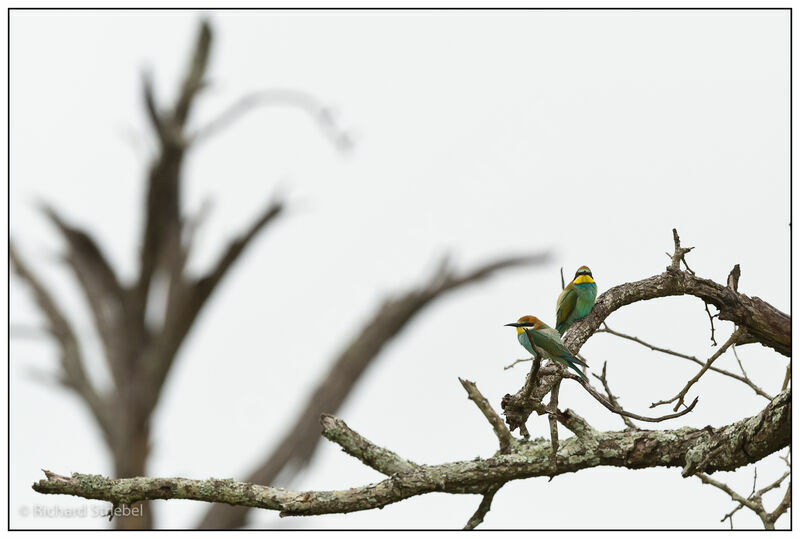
(521, 324)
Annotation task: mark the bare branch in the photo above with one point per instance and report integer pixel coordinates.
(611, 398)
(281, 97)
(754, 500)
(206, 284)
(784, 506)
(743, 379)
(680, 253)
(578, 425)
(730, 492)
(772, 486)
(629, 448)
(380, 459)
(103, 292)
(602, 400)
(517, 361)
(498, 426)
(606, 329)
(187, 299)
(711, 320)
(162, 226)
(72, 364)
(153, 114)
(193, 80)
(484, 507)
(682, 393)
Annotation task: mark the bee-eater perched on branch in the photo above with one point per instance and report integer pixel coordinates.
(533, 334)
(576, 300)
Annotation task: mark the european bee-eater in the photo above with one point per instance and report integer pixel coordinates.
(532, 334)
(576, 300)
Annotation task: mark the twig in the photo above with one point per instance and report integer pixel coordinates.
(711, 320)
(730, 492)
(611, 398)
(775, 484)
(606, 329)
(282, 97)
(680, 253)
(484, 507)
(741, 367)
(682, 393)
(602, 400)
(498, 426)
(784, 506)
(754, 500)
(755, 497)
(517, 361)
(693, 359)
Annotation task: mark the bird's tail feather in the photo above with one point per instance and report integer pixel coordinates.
(576, 369)
(573, 363)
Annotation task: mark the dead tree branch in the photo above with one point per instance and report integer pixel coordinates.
(73, 373)
(682, 393)
(744, 379)
(483, 508)
(617, 410)
(711, 320)
(611, 398)
(754, 501)
(280, 97)
(380, 459)
(498, 426)
(767, 432)
(679, 255)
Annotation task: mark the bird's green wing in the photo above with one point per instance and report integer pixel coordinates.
(564, 306)
(547, 343)
(556, 349)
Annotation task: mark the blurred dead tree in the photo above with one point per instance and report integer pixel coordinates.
(139, 353)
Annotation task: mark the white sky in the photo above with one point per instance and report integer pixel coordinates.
(590, 134)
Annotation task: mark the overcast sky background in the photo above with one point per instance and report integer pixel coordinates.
(587, 134)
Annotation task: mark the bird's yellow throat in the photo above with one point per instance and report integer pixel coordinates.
(581, 279)
(520, 331)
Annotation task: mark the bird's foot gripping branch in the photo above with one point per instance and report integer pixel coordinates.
(698, 452)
